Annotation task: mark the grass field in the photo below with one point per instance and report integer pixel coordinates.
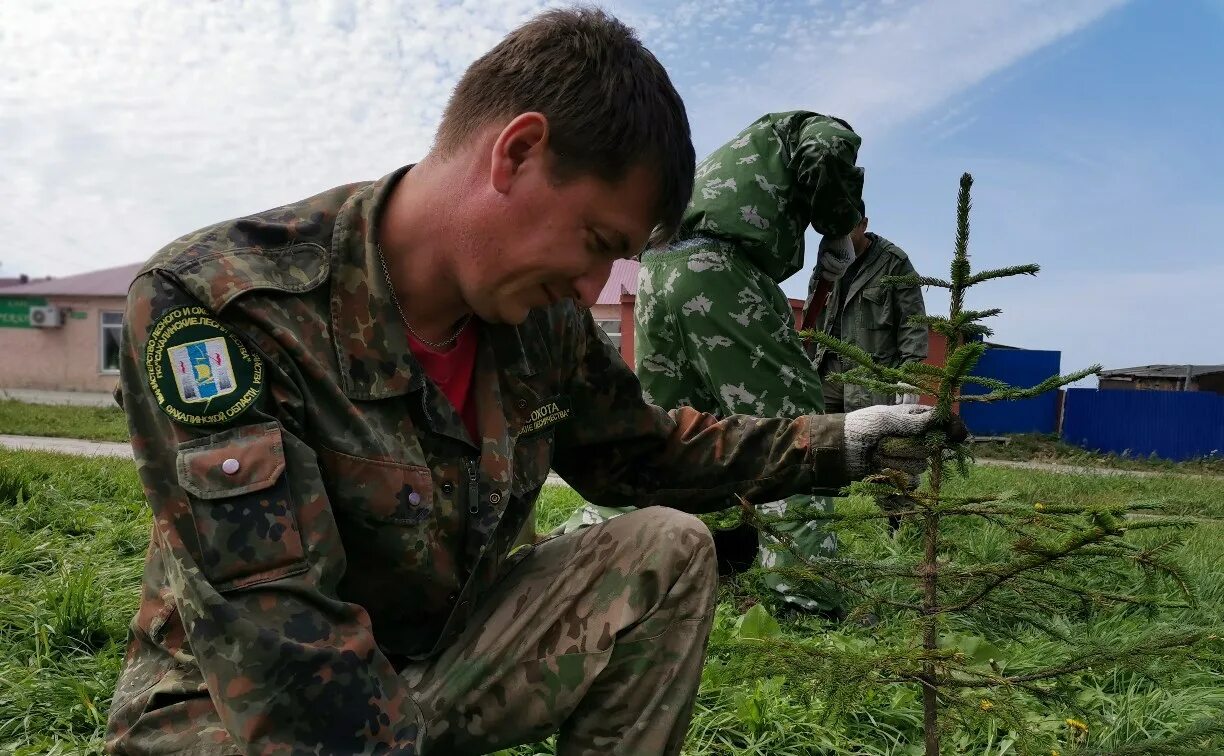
(73, 533)
(62, 421)
(1038, 448)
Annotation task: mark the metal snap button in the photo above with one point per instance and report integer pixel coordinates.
(495, 498)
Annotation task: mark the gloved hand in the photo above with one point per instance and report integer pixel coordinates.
(866, 428)
(833, 257)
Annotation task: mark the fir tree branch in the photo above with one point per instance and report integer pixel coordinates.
(1015, 270)
(908, 282)
(1049, 384)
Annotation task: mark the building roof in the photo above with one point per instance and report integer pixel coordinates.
(1162, 371)
(623, 279)
(108, 282)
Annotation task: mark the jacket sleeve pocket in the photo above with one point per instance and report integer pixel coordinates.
(242, 506)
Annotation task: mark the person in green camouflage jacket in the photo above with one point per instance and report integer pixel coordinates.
(713, 329)
(872, 317)
(330, 568)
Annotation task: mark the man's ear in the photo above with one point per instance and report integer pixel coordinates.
(522, 144)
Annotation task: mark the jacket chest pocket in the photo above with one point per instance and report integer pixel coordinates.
(401, 537)
(535, 410)
(532, 462)
(875, 309)
(378, 492)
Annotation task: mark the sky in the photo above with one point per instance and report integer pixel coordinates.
(1091, 128)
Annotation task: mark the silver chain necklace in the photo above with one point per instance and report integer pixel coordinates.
(435, 345)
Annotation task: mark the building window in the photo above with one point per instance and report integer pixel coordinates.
(613, 329)
(112, 328)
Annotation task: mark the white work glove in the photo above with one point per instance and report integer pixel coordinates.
(833, 257)
(866, 428)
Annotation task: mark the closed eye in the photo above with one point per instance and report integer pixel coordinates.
(602, 246)
(616, 246)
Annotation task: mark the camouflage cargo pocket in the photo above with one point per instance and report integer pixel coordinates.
(242, 506)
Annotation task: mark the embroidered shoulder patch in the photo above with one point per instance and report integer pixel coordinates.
(551, 412)
(200, 372)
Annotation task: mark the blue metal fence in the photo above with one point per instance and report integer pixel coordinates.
(1175, 425)
(1021, 368)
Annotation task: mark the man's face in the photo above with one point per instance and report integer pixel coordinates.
(859, 237)
(542, 241)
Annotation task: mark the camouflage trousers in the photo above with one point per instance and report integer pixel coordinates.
(808, 538)
(598, 635)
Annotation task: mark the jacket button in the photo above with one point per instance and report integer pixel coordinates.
(521, 403)
(414, 499)
(448, 488)
(495, 498)
(230, 466)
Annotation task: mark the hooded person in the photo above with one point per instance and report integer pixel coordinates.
(713, 328)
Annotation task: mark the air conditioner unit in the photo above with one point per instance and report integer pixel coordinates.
(46, 317)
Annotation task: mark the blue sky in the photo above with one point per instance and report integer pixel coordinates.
(1098, 157)
(1091, 128)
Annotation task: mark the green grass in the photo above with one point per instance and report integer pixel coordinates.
(62, 421)
(73, 533)
(1033, 447)
(72, 537)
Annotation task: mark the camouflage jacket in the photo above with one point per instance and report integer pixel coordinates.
(320, 515)
(714, 329)
(874, 318)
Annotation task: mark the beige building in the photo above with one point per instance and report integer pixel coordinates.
(63, 334)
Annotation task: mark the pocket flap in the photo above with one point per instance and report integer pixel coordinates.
(233, 462)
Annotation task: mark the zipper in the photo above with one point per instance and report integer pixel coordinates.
(473, 488)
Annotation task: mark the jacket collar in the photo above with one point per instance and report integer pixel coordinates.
(370, 340)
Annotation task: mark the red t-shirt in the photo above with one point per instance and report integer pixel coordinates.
(452, 371)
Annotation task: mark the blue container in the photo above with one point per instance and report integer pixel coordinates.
(1021, 368)
(1175, 425)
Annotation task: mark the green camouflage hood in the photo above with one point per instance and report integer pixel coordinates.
(761, 190)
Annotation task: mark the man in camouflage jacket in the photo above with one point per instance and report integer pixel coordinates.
(872, 317)
(713, 329)
(330, 569)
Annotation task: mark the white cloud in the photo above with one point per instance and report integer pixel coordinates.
(878, 64)
(126, 123)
